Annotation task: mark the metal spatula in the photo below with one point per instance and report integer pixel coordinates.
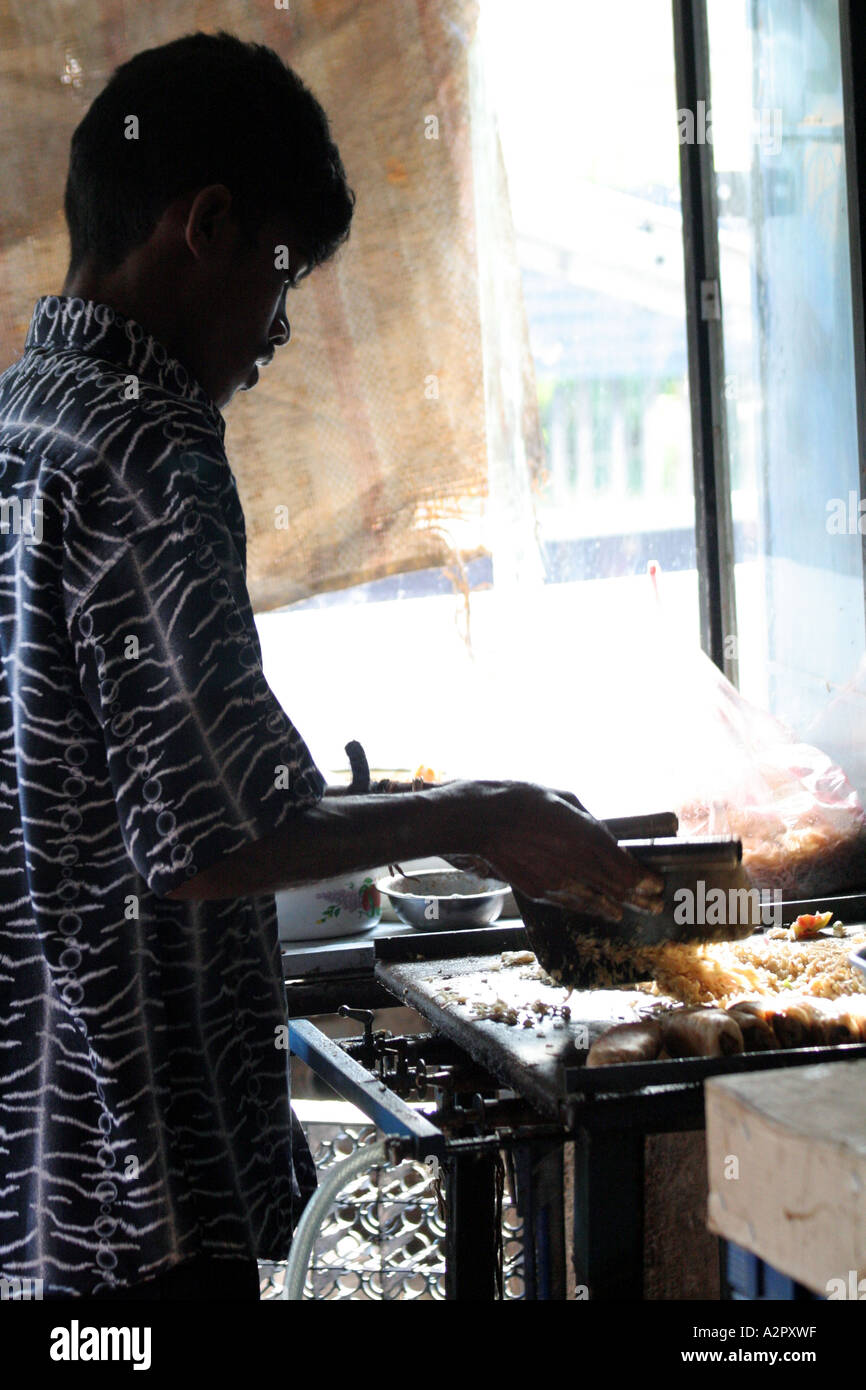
(708, 897)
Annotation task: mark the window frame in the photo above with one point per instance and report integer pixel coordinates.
(704, 310)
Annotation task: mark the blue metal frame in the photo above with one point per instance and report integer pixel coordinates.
(354, 1083)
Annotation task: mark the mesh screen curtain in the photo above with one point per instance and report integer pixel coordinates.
(370, 432)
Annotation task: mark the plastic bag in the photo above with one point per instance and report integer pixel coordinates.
(615, 706)
(840, 728)
(658, 727)
(801, 821)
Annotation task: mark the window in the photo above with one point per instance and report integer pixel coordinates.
(456, 676)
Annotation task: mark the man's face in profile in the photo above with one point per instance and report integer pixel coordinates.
(249, 319)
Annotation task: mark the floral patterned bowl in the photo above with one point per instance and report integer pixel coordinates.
(334, 907)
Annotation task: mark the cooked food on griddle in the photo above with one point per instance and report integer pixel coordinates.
(730, 971)
(798, 1024)
(809, 924)
(627, 1042)
(700, 1033)
(854, 1020)
(752, 1025)
(758, 1035)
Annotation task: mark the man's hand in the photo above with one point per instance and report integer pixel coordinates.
(601, 896)
(547, 846)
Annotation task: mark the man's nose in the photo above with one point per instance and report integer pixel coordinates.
(281, 330)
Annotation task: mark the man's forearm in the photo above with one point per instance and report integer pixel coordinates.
(341, 835)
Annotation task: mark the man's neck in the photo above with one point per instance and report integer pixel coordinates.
(122, 295)
(123, 292)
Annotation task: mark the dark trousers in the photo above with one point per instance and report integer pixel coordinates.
(198, 1279)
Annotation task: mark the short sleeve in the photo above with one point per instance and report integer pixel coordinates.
(201, 756)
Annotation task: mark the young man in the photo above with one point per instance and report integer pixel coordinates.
(153, 793)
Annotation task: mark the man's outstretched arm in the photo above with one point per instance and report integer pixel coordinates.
(531, 837)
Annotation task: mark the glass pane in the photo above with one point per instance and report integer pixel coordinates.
(594, 189)
(777, 138)
(596, 206)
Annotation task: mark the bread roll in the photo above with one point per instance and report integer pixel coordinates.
(800, 1023)
(701, 1033)
(627, 1042)
(758, 1035)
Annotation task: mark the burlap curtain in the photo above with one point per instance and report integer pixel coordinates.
(368, 434)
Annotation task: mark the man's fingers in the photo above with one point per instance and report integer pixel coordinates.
(614, 871)
(651, 905)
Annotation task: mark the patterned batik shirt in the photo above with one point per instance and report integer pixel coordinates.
(144, 1093)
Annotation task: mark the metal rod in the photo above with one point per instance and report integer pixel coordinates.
(852, 35)
(634, 1076)
(354, 1083)
(643, 827)
(470, 1228)
(608, 1214)
(713, 518)
(677, 854)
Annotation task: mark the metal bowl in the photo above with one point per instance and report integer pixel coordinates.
(440, 899)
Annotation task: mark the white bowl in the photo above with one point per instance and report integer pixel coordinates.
(334, 907)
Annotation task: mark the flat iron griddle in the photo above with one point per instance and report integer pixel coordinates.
(545, 1063)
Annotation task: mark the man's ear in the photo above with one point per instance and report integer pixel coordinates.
(210, 225)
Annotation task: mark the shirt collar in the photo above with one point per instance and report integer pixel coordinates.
(60, 322)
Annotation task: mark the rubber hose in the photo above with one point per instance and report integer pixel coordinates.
(319, 1206)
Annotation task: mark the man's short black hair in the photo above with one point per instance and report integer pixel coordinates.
(210, 109)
